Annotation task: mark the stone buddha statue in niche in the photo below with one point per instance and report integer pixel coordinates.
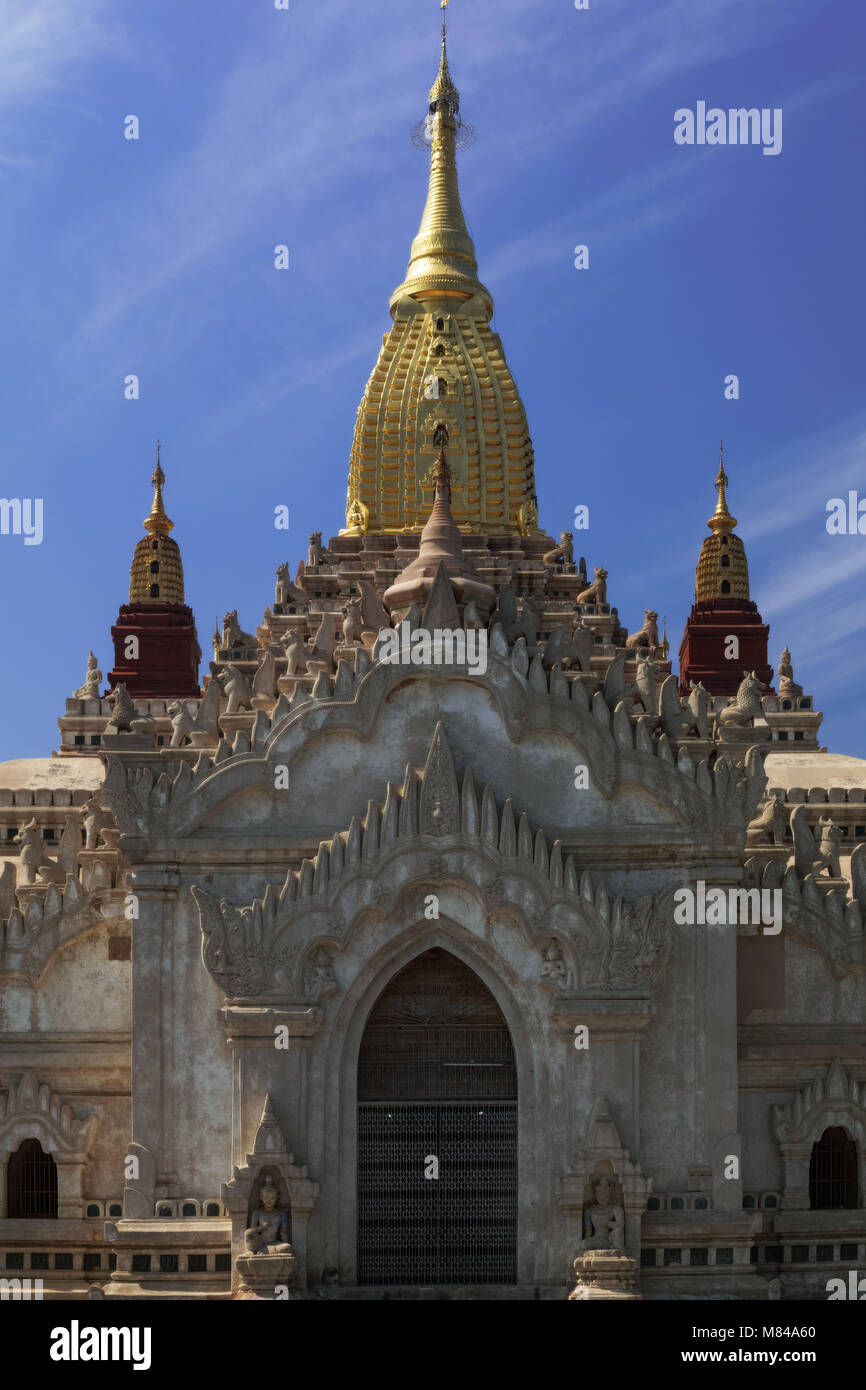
(268, 1233)
(603, 1221)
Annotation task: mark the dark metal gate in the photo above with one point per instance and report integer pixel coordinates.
(437, 1132)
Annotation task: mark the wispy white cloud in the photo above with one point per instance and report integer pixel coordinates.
(793, 486)
(626, 211)
(45, 43)
(279, 127)
(805, 575)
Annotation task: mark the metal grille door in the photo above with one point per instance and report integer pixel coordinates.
(833, 1171)
(457, 1228)
(437, 1132)
(32, 1181)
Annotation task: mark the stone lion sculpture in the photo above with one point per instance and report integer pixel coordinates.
(233, 633)
(597, 591)
(648, 635)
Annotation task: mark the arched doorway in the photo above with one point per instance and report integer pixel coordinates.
(32, 1181)
(437, 1093)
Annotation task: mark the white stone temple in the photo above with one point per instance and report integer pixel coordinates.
(441, 940)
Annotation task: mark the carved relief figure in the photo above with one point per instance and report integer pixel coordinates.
(318, 974)
(268, 1231)
(604, 1219)
(597, 591)
(554, 970)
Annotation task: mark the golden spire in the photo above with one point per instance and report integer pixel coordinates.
(443, 88)
(442, 262)
(156, 575)
(723, 570)
(721, 520)
(158, 524)
(441, 334)
(442, 475)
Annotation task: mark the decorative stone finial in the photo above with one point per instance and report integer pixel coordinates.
(440, 542)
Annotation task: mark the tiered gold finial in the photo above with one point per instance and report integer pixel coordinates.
(723, 570)
(442, 264)
(158, 524)
(721, 519)
(156, 575)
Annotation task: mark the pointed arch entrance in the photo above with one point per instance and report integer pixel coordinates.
(437, 1093)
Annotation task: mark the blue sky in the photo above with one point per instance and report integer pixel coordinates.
(260, 127)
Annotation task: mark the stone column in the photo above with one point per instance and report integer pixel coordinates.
(795, 1164)
(70, 1172)
(156, 890)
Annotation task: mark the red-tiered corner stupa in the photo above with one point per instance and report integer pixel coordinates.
(722, 610)
(163, 661)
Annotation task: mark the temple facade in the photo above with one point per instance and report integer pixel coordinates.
(443, 940)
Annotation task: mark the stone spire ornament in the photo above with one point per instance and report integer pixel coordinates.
(440, 545)
(157, 569)
(163, 659)
(723, 609)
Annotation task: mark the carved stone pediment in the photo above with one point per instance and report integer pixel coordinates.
(33, 1111)
(283, 944)
(528, 700)
(45, 918)
(834, 1099)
